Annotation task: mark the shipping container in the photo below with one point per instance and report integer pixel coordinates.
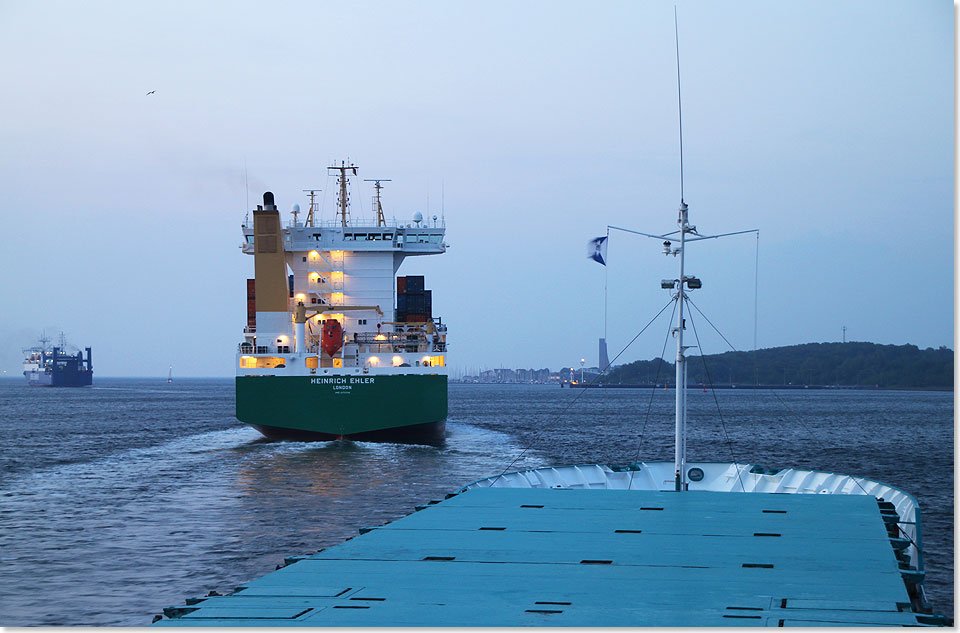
(401, 285)
(402, 303)
(290, 283)
(414, 284)
(416, 304)
(416, 318)
(400, 316)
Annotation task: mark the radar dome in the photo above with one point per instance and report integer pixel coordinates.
(418, 217)
(295, 208)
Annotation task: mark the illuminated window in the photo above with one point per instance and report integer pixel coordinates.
(262, 362)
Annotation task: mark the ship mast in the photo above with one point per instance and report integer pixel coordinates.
(343, 198)
(687, 233)
(680, 443)
(381, 221)
(311, 212)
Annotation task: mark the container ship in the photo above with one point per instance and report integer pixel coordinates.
(336, 346)
(45, 367)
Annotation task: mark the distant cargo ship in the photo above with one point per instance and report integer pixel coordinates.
(326, 353)
(56, 368)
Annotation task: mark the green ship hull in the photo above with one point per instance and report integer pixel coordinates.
(402, 408)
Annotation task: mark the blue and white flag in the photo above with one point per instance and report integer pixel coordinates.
(597, 249)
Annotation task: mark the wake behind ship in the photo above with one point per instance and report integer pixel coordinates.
(327, 354)
(56, 368)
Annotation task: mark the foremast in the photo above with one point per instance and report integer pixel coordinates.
(685, 234)
(680, 443)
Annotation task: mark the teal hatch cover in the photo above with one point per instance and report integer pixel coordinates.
(498, 557)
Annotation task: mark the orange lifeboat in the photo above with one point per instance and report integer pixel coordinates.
(331, 339)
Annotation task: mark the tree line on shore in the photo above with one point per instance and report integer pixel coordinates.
(842, 364)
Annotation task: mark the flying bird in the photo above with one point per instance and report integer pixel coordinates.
(150, 93)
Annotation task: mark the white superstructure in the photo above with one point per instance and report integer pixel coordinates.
(344, 270)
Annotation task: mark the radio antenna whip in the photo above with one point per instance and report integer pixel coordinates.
(676, 31)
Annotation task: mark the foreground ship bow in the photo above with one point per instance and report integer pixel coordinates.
(327, 354)
(610, 545)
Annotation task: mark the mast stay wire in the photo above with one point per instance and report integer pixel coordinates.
(656, 381)
(723, 425)
(793, 413)
(583, 390)
(756, 286)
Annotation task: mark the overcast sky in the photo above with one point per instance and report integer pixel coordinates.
(827, 125)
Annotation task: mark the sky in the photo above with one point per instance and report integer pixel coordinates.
(826, 125)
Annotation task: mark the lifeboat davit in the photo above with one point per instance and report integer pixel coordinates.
(331, 339)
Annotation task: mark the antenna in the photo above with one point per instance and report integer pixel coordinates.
(313, 205)
(686, 233)
(376, 200)
(246, 189)
(343, 202)
(676, 31)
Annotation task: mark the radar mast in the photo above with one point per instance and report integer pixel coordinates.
(381, 221)
(312, 211)
(343, 199)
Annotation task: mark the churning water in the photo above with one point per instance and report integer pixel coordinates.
(132, 495)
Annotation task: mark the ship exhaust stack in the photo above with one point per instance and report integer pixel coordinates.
(270, 275)
(268, 203)
(89, 359)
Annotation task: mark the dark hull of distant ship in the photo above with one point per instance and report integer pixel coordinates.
(67, 378)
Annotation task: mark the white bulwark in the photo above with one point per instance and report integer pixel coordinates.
(344, 270)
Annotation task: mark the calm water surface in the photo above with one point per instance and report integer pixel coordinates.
(132, 495)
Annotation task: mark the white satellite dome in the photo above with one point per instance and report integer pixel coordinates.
(295, 208)
(418, 217)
